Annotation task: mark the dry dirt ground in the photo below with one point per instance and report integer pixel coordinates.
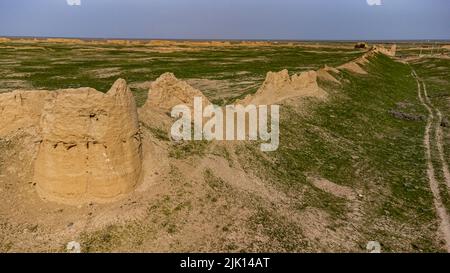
(347, 172)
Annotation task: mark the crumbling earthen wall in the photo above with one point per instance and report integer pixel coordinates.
(168, 91)
(89, 145)
(279, 86)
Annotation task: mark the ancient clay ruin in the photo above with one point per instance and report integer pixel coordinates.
(89, 147)
(88, 143)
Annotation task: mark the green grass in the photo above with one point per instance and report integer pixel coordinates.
(351, 140)
(185, 149)
(216, 183)
(285, 235)
(436, 75)
(354, 141)
(156, 132)
(61, 66)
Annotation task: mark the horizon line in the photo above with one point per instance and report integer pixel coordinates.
(231, 40)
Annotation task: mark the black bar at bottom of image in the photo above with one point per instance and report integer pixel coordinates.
(199, 262)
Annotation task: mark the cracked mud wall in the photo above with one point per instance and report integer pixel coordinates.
(91, 145)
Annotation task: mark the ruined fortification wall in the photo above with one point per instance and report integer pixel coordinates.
(90, 146)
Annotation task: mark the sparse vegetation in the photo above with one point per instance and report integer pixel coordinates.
(367, 136)
(184, 149)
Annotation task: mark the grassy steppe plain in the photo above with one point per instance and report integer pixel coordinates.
(350, 140)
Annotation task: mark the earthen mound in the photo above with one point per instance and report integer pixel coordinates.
(353, 67)
(325, 75)
(168, 91)
(165, 93)
(356, 66)
(279, 86)
(389, 52)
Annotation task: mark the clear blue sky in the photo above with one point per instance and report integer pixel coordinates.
(228, 19)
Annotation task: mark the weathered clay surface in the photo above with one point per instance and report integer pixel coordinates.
(279, 86)
(167, 91)
(89, 146)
